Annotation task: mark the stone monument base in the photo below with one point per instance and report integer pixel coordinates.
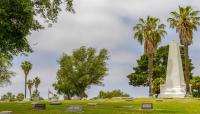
(175, 92)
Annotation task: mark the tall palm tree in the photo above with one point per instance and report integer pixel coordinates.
(30, 84)
(26, 66)
(186, 20)
(37, 82)
(149, 32)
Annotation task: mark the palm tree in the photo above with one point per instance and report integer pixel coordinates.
(30, 84)
(185, 21)
(37, 82)
(149, 32)
(26, 66)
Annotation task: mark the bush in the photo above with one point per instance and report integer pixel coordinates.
(156, 85)
(34, 95)
(195, 86)
(114, 93)
(20, 97)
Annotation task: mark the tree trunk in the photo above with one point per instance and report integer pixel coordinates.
(30, 92)
(67, 97)
(25, 86)
(150, 73)
(36, 90)
(187, 78)
(82, 94)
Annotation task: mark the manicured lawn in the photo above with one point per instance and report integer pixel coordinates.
(168, 106)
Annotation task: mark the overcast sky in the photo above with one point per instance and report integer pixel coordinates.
(99, 24)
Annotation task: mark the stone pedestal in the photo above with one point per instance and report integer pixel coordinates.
(174, 86)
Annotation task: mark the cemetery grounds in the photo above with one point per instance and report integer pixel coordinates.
(164, 106)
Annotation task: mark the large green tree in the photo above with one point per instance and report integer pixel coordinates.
(186, 20)
(26, 67)
(149, 32)
(139, 77)
(81, 70)
(18, 18)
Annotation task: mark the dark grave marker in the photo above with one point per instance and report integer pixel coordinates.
(159, 100)
(129, 100)
(40, 106)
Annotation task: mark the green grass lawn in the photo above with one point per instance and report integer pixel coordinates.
(168, 106)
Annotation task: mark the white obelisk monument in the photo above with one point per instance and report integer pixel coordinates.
(174, 86)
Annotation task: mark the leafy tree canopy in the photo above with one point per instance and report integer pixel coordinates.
(5, 73)
(18, 18)
(80, 70)
(139, 75)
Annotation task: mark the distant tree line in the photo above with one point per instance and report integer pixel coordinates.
(10, 97)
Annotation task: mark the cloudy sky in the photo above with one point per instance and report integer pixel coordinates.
(99, 24)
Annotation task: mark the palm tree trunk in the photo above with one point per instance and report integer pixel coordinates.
(187, 78)
(150, 73)
(25, 86)
(36, 89)
(30, 92)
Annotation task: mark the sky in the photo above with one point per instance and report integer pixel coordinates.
(99, 24)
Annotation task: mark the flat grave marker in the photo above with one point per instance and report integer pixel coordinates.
(55, 103)
(40, 106)
(125, 108)
(147, 106)
(75, 108)
(6, 112)
(92, 104)
(159, 100)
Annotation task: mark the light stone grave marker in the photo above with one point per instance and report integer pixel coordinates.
(147, 106)
(55, 103)
(6, 112)
(75, 108)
